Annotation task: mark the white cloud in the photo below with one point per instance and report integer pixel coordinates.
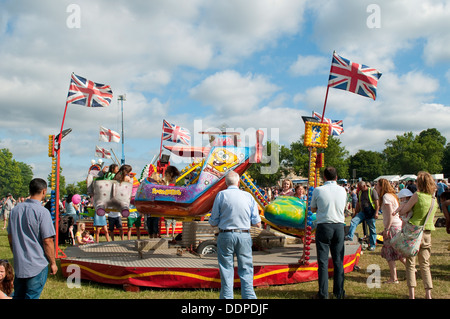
(235, 58)
(229, 92)
(309, 64)
(241, 28)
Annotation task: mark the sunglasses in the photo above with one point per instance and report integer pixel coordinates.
(4, 260)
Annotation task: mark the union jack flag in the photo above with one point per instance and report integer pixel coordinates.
(101, 152)
(107, 135)
(336, 128)
(176, 134)
(88, 93)
(353, 77)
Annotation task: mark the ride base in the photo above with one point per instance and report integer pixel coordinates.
(157, 264)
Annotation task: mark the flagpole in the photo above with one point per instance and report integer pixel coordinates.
(115, 156)
(160, 148)
(328, 87)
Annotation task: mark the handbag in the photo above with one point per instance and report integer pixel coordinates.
(407, 241)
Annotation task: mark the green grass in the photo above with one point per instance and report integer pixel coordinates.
(355, 282)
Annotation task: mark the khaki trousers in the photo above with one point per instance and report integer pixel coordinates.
(424, 264)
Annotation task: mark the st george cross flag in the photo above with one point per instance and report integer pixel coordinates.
(176, 134)
(336, 128)
(107, 135)
(353, 77)
(101, 152)
(88, 93)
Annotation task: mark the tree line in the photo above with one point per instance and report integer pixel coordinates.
(406, 154)
(15, 178)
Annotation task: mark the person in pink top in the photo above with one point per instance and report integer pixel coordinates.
(392, 225)
(287, 188)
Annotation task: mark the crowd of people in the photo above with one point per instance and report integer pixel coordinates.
(398, 203)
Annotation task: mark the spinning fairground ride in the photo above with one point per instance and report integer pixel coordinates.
(192, 262)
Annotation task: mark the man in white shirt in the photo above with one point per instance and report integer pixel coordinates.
(328, 202)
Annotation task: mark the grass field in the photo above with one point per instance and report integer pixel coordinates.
(356, 286)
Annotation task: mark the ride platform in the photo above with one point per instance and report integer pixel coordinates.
(171, 266)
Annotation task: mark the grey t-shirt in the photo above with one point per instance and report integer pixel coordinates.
(29, 224)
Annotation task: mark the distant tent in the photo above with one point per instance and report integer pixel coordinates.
(408, 177)
(391, 178)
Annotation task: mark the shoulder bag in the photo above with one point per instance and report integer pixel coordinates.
(407, 241)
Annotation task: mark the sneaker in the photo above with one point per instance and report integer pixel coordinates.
(391, 282)
(371, 248)
(100, 212)
(346, 238)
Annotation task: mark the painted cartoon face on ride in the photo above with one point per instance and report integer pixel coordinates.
(220, 161)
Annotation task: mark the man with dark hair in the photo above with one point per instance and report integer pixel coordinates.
(328, 202)
(330, 173)
(30, 235)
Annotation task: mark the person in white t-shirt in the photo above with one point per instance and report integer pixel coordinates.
(328, 202)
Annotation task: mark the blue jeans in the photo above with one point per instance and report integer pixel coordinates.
(30, 288)
(358, 219)
(240, 244)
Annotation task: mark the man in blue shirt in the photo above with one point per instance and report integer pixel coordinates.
(234, 211)
(30, 235)
(328, 201)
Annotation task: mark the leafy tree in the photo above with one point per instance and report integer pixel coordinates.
(14, 176)
(269, 171)
(431, 146)
(368, 165)
(296, 158)
(82, 186)
(27, 176)
(408, 154)
(337, 156)
(446, 161)
(72, 189)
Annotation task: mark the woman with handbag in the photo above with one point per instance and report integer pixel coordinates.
(389, 202)
(423, 204)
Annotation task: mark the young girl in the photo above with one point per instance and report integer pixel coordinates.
(404, 195)
(87, 238)
(392, 225)
(6, 279)
(170, 175)
(287, 187)
(123, 173)
(113, 169)
(300, 192)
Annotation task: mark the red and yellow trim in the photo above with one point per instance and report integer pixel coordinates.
(198, 277)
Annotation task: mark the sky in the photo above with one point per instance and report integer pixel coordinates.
(242, 64)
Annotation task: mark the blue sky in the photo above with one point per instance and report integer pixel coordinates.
(250, 64)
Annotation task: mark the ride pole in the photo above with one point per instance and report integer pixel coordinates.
(122, 98)
(58, 168)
